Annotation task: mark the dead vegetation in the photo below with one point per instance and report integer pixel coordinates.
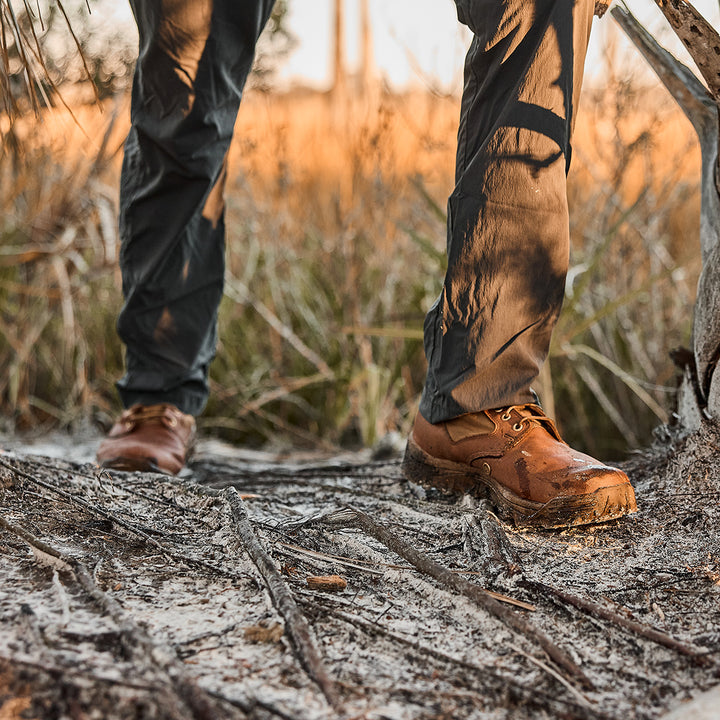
(259, 588)
(362, 197)
(139, 595)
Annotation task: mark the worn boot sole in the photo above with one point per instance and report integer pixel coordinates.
(606, 503)
(145, 463)
(133, 464)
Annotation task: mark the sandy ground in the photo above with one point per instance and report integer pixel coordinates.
(133, 595)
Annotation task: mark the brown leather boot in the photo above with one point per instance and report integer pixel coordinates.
(150, 438)
(516, 457)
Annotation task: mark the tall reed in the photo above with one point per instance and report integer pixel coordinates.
(335, 252)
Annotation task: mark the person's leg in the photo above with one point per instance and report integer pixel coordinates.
(479, 429)
(194, 59)
(489, 332)
(195, 56)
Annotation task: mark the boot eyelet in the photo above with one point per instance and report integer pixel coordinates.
(172, 421)
(485, 469)
(506, 416)
(517, 427)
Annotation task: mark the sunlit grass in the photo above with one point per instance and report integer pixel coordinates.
(336, 234)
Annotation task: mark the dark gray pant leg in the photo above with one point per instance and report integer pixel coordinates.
(489, 332)
(195, 56)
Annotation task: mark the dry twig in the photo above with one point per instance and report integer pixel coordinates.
(551, 671)
(484, 539)
(488, 675)
(29, 48)
(297, 627)
(355, 517)
(188, 699)
(134, 529)
(598, 611)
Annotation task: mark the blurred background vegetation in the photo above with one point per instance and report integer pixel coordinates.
(336, 234)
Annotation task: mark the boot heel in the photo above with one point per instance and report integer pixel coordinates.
(443, 475)
(416, 468)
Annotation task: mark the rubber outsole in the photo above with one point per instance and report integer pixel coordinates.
(130, 464)
(607, 503)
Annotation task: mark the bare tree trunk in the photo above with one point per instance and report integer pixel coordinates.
(699, 395)
(367, 67)
(339, 86)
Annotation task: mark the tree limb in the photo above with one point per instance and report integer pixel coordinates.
(197, 703)
(446, 577)
(296, 626)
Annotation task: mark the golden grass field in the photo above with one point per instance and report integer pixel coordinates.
(335, 241)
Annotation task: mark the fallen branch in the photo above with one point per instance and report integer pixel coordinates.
(551, 671)
(604, 613)
(102, 474)
(494, 533)
(95, 510)
(497, 545)
(13, 661)
(484, 539)
(296, 626)
(189, 700)
(362, 565)
(367, 566)
(426, 565)
(488, 675)
(92, 509)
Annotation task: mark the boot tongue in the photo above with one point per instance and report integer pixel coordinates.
(536, 413)
(155, 414)
(466, 426)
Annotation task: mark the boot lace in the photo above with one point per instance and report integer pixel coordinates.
(528, 414)
(145, 414)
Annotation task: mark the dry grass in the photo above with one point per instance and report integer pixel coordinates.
(335, 251)
(58, 286)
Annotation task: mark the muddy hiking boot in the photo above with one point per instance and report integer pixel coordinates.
(149, 438)
(515, 457)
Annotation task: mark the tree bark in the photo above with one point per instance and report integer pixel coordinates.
(339, 85)
(699, 393)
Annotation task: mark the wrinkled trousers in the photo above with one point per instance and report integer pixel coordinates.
(488, 334)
